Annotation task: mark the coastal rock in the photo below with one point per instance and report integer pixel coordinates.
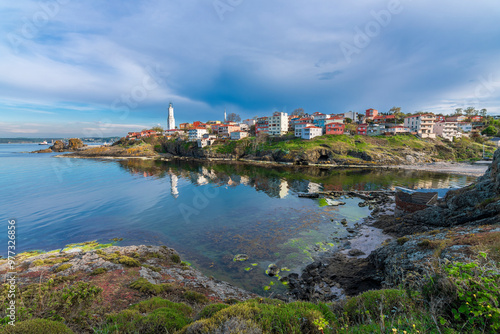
(272, 270)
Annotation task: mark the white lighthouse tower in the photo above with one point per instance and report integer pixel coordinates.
(170, 119)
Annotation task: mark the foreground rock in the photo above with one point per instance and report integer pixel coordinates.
(115, 268)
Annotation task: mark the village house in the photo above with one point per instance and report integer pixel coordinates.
(226, 129)
(335, 128)
(184, 126)
(362, 129)
(299, 127)
(380, 119)
(375, 129)
(311, 131)
(422, 125)
(370, 114)
(446, 130)
(398, 129)
(237, 135)
(196, 133)
(206, 140)
(455, 118)
(464, 127)
(249, 122)
(262, 125)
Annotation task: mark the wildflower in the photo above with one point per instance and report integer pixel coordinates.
(394, 330)
(489, 315)
(474, 295)
(467, 303)
(413, 326)
(404, 332)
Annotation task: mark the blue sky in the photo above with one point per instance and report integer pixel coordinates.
(99, 68)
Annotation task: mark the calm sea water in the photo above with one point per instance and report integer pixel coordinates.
(207, 212)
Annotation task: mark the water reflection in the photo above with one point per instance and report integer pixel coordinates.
(279, 182)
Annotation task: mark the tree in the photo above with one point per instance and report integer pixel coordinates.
(489, 131)
(298, 112)
(252, 130)
(157, 128)
(232, 117)
(360, 117)
(399, 116)
(459, 111)
(347, 120)
(469, 111)
(483, 112)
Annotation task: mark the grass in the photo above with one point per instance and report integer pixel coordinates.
(144, 286)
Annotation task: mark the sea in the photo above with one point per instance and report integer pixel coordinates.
(209, 212)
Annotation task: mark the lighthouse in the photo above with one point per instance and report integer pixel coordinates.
(170, 119)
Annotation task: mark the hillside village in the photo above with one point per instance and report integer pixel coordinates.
(309, 126)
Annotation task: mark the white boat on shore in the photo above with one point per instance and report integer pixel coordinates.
(43, 143)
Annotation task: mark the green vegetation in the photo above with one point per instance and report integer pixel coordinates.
(98, 271)
(87, 246)
(195, 297)
(143, 285)
(37, 326)
(63, 267)
(118, 258)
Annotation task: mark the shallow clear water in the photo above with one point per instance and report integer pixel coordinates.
(207, 212)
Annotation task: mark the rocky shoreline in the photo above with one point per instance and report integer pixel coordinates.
(464, 221)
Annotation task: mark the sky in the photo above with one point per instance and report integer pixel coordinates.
(103, 68)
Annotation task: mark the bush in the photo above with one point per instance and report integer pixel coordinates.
(195, 297)
(63, 267)
(402, 240)
(209, 310)
(98, 271)
(143, 285)
(175, 258)
(37, 326)
(372, 304)
(154, 303)
(258, 315)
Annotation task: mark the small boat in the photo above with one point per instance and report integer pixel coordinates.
(43, 143)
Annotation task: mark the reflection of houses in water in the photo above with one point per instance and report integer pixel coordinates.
(173, 185)
(313, 187)
(245, 180)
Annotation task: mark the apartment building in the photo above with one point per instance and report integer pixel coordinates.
(196, 133)
(278, 124)
(311, 131)
(421, 124)
(447, 130)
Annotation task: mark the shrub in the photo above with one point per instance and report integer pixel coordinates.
(402, 240)
(375, 303)
(143, 285)
(163, 320)
(175, 258)
(154, 303)
(209, 310)
(37, 326)
(128, 261)
(98, 271)
(63, 267)
(195, 297)
(478, 294)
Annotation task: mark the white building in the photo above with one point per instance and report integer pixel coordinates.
(170, 118)
(311, 131)
(421, 124)
(464, 127)
(206, 140)
(299, 127)
(278, 124)
(446, 130)
(249, 122)
(244, 127)
(237, 135)
(394, 130)
(197, 133)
